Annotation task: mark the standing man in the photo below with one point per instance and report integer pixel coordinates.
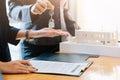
(34, 14)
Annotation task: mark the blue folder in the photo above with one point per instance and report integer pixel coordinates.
(64, 57)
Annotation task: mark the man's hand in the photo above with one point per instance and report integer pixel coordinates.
(48, 32)
(41, 6)
(20, 66)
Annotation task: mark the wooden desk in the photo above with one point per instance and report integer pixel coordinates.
(103, 68)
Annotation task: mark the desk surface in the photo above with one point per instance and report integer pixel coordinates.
(103, 68)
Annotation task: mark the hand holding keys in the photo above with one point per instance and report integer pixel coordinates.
(41, 6)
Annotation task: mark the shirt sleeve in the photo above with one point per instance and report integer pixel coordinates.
(11, 38)
(19, 10)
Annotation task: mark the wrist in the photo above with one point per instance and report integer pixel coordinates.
(27, 35)
(2, 65)
(32, 34)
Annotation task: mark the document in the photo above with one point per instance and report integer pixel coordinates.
(65, 68)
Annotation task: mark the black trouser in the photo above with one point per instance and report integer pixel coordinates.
(30, 51)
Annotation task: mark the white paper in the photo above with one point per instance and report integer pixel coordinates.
(59, 67)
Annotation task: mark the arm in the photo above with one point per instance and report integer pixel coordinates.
(27, 10)
(70, 22)
(45, 32)
(19, 10)
(16, 67)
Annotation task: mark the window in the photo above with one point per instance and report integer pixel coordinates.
(98, 14)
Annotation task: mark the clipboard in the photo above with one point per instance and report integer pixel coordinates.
(62, 68)
(64, 57)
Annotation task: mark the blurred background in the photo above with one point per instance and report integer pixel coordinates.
(90, 15)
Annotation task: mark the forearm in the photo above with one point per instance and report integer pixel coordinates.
(45, 32)
(22, 34)
(31, 34)
(2, 67)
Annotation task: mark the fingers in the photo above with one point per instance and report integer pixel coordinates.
(38, 8)
(24, 67)
(63, 33)
(25, 62)
(53, 32)
(60, 33)
(49, 32)
(27, 66)
(41, 6)
(50, 5)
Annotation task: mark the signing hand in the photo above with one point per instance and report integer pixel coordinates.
(41, 6)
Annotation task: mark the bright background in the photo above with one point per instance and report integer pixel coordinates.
(97, 14)
(90, 15)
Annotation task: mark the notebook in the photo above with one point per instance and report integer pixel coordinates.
(63, 68)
